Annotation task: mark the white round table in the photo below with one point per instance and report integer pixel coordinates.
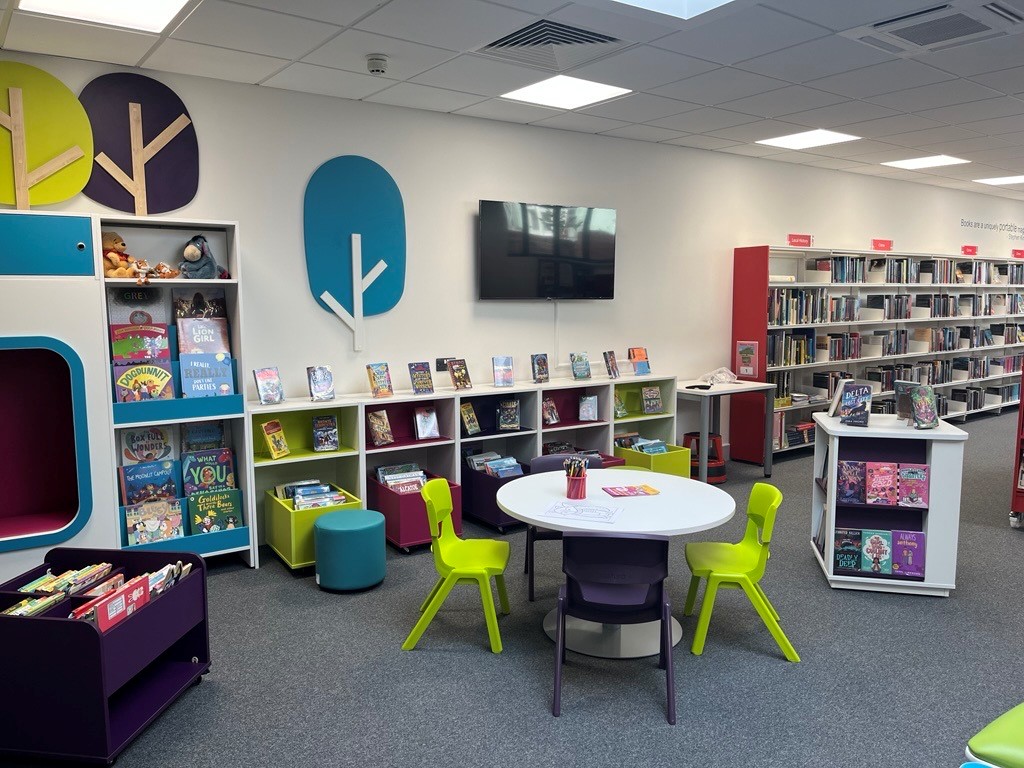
(681, 506)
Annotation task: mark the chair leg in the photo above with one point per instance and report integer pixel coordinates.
(431, 593)
(701, 633)
(499, 582)
(691, 596)
(767, 602)
(529, 549)
(440, 593)
(490, 616)
(556, 703)
(670, 675)
(768, 614)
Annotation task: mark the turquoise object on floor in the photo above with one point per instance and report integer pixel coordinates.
(350, 550)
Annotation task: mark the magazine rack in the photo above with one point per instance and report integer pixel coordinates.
(107, 685)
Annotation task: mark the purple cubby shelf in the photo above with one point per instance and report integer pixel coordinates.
(405, 514)
(110, 685)
(567, 402)
(401, 418)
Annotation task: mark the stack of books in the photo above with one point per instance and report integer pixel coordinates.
(402, 478)
(503, 467)
(316, 496)
(649, 446)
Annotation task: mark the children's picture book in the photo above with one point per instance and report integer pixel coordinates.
(881, 483)
(908, 554)
(926, 412)
(212, 470)
(638, 357)
(651, 397)
(619, 406)
(913, 485)
(273, 434)
(425, 419)
(508, 415)
(611, 364)
(203, 435)
(588, 407)
(202, 301)
(539, 367)
(268, 385)
(144, 381)
(206, 375)
(135, 343)
(876, 552)
(153, 521)
(421, 378)
(203, 334)
(380, 380)
(325, 433)
(152, 443)
(846, 554)
(549, 412)
(580, 363)
(321, 382)
(380, 428)
(469, 419)
(148, 481)
(855, 404)
(136, 305)
(459, 372)
(214, 511)
(904, 403)
(850, 482)
(631, 490)
(504, 376)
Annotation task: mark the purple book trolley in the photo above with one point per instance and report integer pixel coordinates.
(72, 692)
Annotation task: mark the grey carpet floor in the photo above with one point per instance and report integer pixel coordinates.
(301, 677)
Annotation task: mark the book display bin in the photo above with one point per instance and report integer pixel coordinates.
(289, 531)
(405, 514)
(108, 685)
(676, 461)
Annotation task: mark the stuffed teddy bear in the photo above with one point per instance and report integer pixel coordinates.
(117, 263)
(199, 263)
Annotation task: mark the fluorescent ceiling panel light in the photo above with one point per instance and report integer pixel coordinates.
(1000, 180)
(681, 9)
(565, 92)
(145, 15)
(807, 139)
(926, 162)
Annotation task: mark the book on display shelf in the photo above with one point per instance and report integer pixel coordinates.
(136, 305)
(847, 551)
(325, 433)
(876, 552)
(904, 403)
(211, 470)
(139, 342)
(459, 373)
(213, 511)
(203, 301)
(469, 420)
(580, 363)
(881, 483)
(198, 335)
(638, 357)
(206, 375)
(651, 400)
(143, 381)
(619, 407)
(549, 412)
(203, 435)
(509, 412)
(154, 521)
(380, 380)
(539, 367)
(926, 413)
(380, 428)
(611, 364)
(151, 443)
(425, 422)
(913, 485)
(504, 376)
(588, 408)
(268, 385)
(321, 382)
(421, 378)
(908, 553)
(273, 435)
(148, 481)
(855, 404)
(851, 482)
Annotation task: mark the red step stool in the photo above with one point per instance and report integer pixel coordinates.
(716, 456)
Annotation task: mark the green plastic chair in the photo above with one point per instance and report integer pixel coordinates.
(460, 561)
(738, 566)
(1001, 742)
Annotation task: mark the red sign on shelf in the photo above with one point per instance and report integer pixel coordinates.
(881, 245)
(1017, 254)
(800, 241)
(968, 250)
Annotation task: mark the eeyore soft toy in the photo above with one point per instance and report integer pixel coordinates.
(199, 263)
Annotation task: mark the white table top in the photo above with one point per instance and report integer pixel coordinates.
(682, 506)
(889, 426)
(717, 390)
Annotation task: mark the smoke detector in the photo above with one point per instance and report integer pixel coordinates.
(377, 63)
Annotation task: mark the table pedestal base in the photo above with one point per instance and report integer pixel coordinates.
(611, 641)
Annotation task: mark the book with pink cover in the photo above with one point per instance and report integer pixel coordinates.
(881, 482)
(913, 485)
(631, 490)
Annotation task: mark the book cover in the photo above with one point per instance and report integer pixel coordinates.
(549, 412)
(855, 404)
(880, 485)
(926, 413)
(213, 511)
(135, 343)
(508, 415)
(619, 406)
(580, 363)
(539, 367)
(638, 357)
(204, 301)
(611, 364)
(148, 481)
(273, 435)
(904, 404)
(153, 521)
(198, 335)
(631, 490)
(459, 372)
(876, 553)
(380, 428)
(421, 378)
(651, 397)
(143, 381)
(268, 385)
(846, 553)
(588, 407)
(913, 485)
(469, 419)
(153, 443)
(212, 470)
(380, 379)
(908, 553)
(206, 375)
(136, 305)
(504, 376)
(325, 433)
(426, 422)
(850, 482)
(203, 435)
(321, 382)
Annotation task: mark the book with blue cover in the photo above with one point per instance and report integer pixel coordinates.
(580, 362)
(212, 470)
(148, 481)
(206, 375)
(855, 404)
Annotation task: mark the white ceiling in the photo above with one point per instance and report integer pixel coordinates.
(748, 71)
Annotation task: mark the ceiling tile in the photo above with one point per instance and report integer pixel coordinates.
(641, 67)
(818, 58)
(717, 86)
(423, 97)
(702, 142)
(59, 37)
(977, 110)
(873, 170)
(762, 129)
(877, 79)
(350, 49)
(935, 96)
(995, 155)
(510, 111)
(797, 158)
(997, 126)
(753, 32)
(328, 82)
(478, 74)
(903, 175)
(1006, 80)
(702, 120)
(931, 136)
(843, 113)
(976, 58)
(888, 155)
(617, 25)
(846, 15)
(243, 28)
(640, 108)
(852, 148)
(643, 133)
(1012, 138)
(753, 150)
(783, 101)
(330, 11)
(957, 148)
(836, 164)
(573, 121)
(208, 61)
(458, 25)
(884, 126)
(530, 6)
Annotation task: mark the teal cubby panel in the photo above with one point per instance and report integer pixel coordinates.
(65, 241)
(179, 409)
(201, 544)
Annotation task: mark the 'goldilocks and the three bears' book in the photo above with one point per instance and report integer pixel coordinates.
(325, 433)
(469, 419)
(154, 443)
(215, 511)
(425, 422)
(846, 555)
(580, 363)
(881, 483)
(876, 551)
(539, 365)
(144, 381)
(273, 434)
(504, 376)
(206, 375)
(908, 553)
(380, 379)
(380, 428)
(422, 380)
(211, 470)
(459, 372)
(148, 481)
(321, 382)
(268, 385)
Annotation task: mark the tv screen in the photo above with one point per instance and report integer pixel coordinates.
(530, 251)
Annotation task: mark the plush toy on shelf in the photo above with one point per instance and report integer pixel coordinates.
(199, 263)
(117, 263)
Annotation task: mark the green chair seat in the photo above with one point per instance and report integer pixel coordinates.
(707, 556)
(1001, 742)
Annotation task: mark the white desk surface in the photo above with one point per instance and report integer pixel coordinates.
(682, 506)
(888, 426)
(717, 390)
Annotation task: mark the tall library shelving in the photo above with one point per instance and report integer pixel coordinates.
(819, 314)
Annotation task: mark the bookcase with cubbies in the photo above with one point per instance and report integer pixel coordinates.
(954, 322)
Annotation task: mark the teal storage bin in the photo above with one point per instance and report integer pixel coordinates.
(350, 550)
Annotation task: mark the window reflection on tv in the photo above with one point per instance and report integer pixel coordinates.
(531, 251)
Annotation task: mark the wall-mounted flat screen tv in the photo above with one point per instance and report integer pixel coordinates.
(530, 251)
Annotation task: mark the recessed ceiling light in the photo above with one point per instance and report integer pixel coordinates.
(681, 9)
(148, 16)
(1002, 180)
(565, 92)
(926, 162)
(807, 139)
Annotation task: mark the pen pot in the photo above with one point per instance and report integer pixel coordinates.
(576, 487)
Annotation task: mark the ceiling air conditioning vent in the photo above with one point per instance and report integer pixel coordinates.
(552, 46)
(941, 30)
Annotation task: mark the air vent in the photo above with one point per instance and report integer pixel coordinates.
(1004, 12)
(941, 30)
(552, 46)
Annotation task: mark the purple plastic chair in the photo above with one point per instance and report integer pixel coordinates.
(548, 463)
(615, 579)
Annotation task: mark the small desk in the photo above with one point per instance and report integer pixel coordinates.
(710, 414)
(682, 506)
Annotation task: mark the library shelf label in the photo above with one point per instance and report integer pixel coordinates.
(799, 241)
(968, 250)
(881, 245)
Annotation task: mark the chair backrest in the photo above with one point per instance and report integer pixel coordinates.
(437, 497)
(614, 578)
(554, 461)
(762, 507)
